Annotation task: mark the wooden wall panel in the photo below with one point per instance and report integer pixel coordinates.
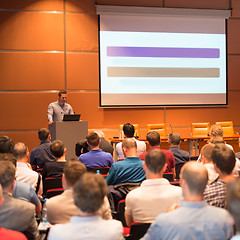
(82, 71)
(139, 3)
(40, 5)
(80, 6)
(214, 4)
(235, 8)
(233, 72)
(31, 31)
(31, 71)
(82, 32)
(24, 111)
(233, 36)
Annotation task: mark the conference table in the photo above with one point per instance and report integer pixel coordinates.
(193, 142)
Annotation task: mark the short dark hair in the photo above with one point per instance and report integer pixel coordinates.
(61, 92)
(7, 173)
(224, 158)
(155, 160)
(216, 139)
(20, 150)
(206, 151)
(43, 134)
(129, 143)
(196, 176)
(153, 138)
(8, 157)
(93, 139)
(128, 130)
(233, 201)
(73, 170)
(57, 148)
(174, 138)
(89, 192)
(6, 144)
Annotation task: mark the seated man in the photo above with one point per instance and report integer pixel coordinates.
(155, 195)
(55, 169)
(128, 130)
(88, 193)
(95, 157)
(153, 139)
(223, 159)
(194, 219)
(42, 154)
(128, 170)
(61, 208)
(15, 214)
(24, 173)
(6, 144)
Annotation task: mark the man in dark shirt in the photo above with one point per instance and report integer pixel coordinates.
(42, 154)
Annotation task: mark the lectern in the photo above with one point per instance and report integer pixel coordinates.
(69, 133)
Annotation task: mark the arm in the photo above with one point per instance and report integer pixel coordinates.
(110, 178)
(50, 114)
(129, 219)
(174, 172)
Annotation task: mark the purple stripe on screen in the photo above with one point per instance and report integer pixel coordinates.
(163, 52)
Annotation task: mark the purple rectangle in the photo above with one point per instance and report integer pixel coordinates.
(163, 52)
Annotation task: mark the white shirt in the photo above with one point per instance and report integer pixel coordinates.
(212, 174)
(141, 148)
(153, 197)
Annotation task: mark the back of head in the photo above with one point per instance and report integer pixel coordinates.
(216, 130)
(20, 150)
(43, 134)
(6, 144)
(216, 139)
(8, 157)
(224, 158)
(233, 201)
(129, 143)
(207, 151)
(57, 148)
(196, 177)
(155, 160)
(128, 130)
(89, 192)
(93, 139)
(61, 92)
(73, 170)
(153, 138)
(7, 173)
(174, 138)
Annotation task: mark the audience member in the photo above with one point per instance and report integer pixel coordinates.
(233, 205)
(24, 173)
(42, 154)
(6, 144)
(206, 158)
(224, 161)
(155, 195)
(95, 157)
(22, 190)
(128, 170)
(15, 214)
(88, 194)
(153, 139)
(55, 169)
(82, 146)
(238, 153)
(128, 130)
(61, 208)
(6, 234)
(194, 219)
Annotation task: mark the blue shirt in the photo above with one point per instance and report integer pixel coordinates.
(96, 158)
(180, 155)
(41, 154)
(192, 220)
(128, 170)
(57, 111)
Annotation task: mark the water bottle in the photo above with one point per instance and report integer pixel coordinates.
(98, 171)
(44, 214)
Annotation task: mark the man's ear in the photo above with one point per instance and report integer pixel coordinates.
(65, 150)
(144, 166)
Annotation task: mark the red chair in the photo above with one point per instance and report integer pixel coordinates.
(137, 231)
(120, 212)
(168, 176)
(54, 192)
(102, 170)
(51, 183)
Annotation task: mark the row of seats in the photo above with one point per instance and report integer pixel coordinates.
(197, 129)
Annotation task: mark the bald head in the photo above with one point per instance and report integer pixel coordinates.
(129, 143)
(20, 150)
(196, 177)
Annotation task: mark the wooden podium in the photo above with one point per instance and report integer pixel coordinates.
(69, 133)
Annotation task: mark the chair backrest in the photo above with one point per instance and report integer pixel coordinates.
(54, 192)
(102, 170)
(227, 127)
(51, 183)
(168, 176)
(120, 212)
(138, 230)
(200, 129)
(178, 168)
(160, 128)
(136, 128)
